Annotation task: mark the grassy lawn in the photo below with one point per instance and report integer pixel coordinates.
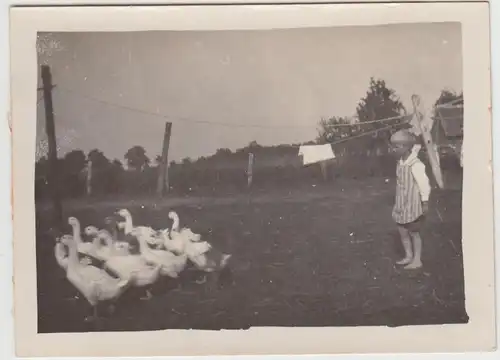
(310, 256)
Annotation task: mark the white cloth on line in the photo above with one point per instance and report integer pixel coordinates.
(315, 153)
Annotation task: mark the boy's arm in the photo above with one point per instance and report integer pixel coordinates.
(418, 170)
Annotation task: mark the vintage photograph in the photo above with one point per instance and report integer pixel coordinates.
(233, 179)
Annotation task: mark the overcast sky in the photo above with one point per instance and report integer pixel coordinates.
(213, 85)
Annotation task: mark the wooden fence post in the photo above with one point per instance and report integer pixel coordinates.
(163, 181)
(250, 169)
(324, 170)
(89, 178)
(52, 145)
(425, 131)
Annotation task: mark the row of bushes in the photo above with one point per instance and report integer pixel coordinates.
(185, 179)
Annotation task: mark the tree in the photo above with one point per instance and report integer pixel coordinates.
(330, 131)
(72, 166)
(41, 173)
(114, 176)
(117, 164)
(449, 96)
(136, 158)
(99, 160)
(74, 162)
(223, 153)
(100, 171)
(380, 102)
(41, 167)
(46, 45)
(253, 145)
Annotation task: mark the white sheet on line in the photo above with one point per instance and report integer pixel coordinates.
(315, 153)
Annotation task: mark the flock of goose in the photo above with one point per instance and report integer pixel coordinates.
(130, 256)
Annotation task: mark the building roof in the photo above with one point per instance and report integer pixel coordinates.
(451, 119)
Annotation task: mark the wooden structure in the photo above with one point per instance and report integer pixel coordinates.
(163, 181)
(250, 169)
(88, 178)
(423, 126)
(441, 131)
(448, 129)
(324, 169)
(53, 176)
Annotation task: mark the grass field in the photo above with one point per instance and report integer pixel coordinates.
(308, 256)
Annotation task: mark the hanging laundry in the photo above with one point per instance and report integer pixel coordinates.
(426, 124)
(316, 153)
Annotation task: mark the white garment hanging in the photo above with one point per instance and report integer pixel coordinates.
(427, 123)
(315, 153)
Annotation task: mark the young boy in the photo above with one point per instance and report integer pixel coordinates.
(412, 194)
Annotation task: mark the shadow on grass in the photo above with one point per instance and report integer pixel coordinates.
(324, 259)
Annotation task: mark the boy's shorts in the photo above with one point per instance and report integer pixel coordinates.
(414, 226)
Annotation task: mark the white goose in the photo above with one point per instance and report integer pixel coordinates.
(200, 253)
(61, 255)
(175, 245)
(211, 260)
(93, 283)
(85, 248)
(128, 225)
(177, 239)
(110, 247)
(61, 251)
(175, 220)
(131, 266)
(171, 265)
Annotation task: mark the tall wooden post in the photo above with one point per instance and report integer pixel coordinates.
(324, 170)
(51, 137)
(425, 131)
(250, 169)
(163, 182)
(89, 178)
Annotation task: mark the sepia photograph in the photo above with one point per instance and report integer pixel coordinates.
(234, 179)
(248, 177)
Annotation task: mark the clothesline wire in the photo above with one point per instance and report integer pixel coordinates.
(360, 123)
(164, 116)
(368, 133)
(391, 126)
(451, 103)
(365, 133)
(247, 125)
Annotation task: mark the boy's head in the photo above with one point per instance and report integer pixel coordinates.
(402, 141)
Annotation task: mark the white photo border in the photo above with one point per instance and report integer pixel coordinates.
(478, 244)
